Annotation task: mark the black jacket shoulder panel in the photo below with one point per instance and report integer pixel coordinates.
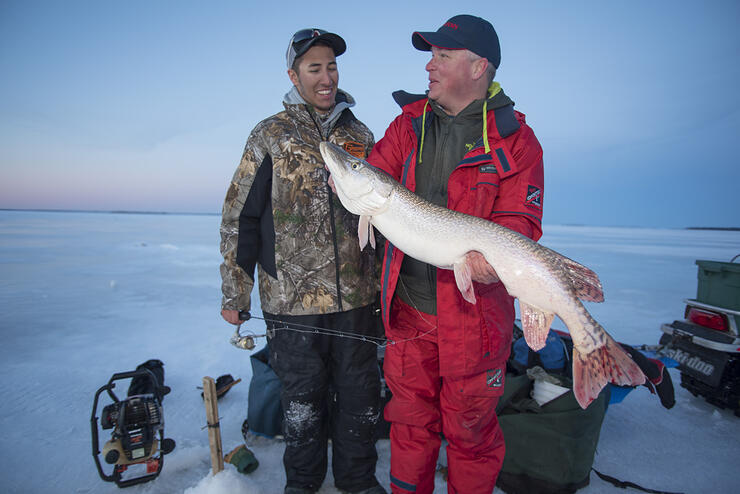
(402, 98)
(506, 122)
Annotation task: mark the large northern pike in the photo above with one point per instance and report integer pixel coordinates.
(546, 283)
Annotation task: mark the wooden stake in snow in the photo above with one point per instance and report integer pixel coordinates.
(214, 428)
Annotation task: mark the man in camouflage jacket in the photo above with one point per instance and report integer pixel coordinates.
(280, 216)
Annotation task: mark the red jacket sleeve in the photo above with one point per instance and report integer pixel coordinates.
(518, 205)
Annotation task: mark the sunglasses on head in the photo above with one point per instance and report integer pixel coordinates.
(306, 34)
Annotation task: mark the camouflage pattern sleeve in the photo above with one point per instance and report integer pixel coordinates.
(236, 284)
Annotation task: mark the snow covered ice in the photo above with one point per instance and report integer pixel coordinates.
(86, 295)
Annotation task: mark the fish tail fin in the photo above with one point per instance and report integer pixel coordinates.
(608, 363)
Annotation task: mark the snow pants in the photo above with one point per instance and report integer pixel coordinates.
(425, 404)
(330, 388)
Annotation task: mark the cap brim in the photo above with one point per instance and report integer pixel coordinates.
(425, 41)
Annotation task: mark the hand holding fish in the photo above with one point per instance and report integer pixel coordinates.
(480, 270)
(330, 181)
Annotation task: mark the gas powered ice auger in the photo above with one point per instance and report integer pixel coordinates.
(137, 442)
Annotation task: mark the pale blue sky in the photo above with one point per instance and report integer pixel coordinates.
(146, 105)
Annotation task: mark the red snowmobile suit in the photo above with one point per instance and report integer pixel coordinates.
(449, 377)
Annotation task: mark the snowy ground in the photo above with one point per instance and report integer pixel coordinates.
(85, 295)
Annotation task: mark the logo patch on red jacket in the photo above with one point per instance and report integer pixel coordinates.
(534, 196)
(494, 378)
(355, 149)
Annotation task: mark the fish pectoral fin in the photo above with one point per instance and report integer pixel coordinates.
(535, 324)
(364, 231)
(464, 280)
(371, 232)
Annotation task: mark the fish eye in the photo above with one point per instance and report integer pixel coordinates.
(355, 166)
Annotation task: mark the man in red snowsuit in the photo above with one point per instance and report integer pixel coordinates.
(464, 147)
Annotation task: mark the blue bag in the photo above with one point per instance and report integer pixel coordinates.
(264, 409)
(552, 357)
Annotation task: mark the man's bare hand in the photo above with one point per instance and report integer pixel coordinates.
(231, 316)
(330, 181)
(480, 270)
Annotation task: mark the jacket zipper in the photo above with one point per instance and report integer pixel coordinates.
(333, 228)
(336, 247)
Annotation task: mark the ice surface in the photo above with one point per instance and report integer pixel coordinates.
(86, 295)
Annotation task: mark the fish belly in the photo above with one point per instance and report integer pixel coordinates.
(421, 238)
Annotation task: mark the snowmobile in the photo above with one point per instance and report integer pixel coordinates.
(706, 342)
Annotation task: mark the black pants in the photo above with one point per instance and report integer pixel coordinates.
(330, 389)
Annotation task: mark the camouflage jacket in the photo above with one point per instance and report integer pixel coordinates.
(280, 215)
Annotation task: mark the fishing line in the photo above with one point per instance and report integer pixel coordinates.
(413, 304)
(246, 341)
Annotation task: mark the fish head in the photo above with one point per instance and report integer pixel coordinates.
(363, 189)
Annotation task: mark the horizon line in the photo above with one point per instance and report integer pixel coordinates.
(173, 213)
(106, 211)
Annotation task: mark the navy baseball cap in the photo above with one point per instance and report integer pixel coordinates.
(305, 38)
(462, 32)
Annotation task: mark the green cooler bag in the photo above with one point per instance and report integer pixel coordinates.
(549, 449)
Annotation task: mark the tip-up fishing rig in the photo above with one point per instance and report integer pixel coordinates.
(246, 341)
